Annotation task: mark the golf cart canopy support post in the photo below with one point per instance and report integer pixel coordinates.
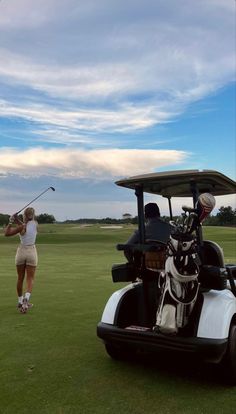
(141, 224)
(170, 208)
(195, 194)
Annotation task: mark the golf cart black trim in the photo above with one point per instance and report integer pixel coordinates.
(211, 350)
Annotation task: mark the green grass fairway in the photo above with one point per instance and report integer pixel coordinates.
(51, 361)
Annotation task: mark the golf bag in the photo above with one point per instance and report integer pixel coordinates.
(179, 281)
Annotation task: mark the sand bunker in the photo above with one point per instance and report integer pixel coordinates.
(111, 227)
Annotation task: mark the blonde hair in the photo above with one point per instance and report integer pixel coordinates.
(29, 214)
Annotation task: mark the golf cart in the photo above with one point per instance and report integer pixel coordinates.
(181, 296)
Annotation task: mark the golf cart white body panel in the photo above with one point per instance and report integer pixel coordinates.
(218, 309)
(108, 315)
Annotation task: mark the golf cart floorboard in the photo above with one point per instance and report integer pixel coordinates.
(210, 350)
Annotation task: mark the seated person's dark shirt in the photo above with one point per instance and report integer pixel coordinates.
(155, 229)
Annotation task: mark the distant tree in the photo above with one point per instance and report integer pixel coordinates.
(4, 218)
(226, 216)
(134, 220)
(45, 218)
(126, 216)
(211, 221)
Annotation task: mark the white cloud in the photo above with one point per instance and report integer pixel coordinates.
(175, 51)
(124, 118)
(78, 81)
(94, 164)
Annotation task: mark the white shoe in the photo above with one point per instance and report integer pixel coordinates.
(19, 306)
(24, 306)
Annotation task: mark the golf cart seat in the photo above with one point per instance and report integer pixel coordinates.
(212, 277)
(212, 272)
(212, 254)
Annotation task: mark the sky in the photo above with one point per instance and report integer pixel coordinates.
(94, 91)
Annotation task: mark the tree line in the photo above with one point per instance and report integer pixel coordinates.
(226, 216)
(41, 218)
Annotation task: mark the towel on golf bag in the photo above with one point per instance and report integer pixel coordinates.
(178, 283)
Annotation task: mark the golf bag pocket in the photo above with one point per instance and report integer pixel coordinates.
(176, 304)
(166, 320)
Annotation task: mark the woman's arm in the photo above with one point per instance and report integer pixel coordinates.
(11, 231)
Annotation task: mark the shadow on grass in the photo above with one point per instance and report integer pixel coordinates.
(180, 368)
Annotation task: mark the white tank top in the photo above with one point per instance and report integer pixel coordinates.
(29, 237)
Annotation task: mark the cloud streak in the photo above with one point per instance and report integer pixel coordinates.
(95, 164)
(123, 119)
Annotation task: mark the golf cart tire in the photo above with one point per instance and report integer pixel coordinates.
(229, 360)
(118, 352)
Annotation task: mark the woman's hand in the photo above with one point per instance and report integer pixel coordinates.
(14, 219)
(11, 220)
(19, 228)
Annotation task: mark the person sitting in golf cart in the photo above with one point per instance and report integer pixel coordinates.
(155, 229)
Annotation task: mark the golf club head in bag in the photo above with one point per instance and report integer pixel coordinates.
(205, 204)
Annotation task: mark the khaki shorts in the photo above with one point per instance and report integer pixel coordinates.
(26, 255)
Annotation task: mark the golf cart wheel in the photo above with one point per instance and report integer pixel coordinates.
(118, 352)
(229, 360)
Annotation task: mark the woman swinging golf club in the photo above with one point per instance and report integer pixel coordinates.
(26, 256)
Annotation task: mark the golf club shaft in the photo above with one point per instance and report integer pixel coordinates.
(35, 199)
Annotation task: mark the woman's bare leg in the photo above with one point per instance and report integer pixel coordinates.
(21, 275)
(30, 273)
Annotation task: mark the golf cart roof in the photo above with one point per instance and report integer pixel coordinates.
(178, 183)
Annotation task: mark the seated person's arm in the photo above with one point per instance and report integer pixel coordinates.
(132, 240)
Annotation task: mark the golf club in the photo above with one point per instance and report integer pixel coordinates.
(49, 188)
